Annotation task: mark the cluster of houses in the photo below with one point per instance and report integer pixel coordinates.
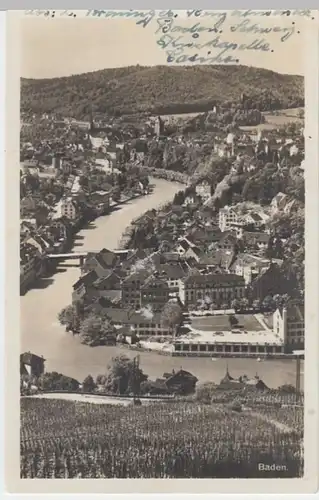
(55, 166)
(133, 287)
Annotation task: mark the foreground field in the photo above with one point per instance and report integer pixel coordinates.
(64, 439)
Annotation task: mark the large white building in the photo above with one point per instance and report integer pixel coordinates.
(227, 218)
(68, 208)
(284, 336)
(289, 323)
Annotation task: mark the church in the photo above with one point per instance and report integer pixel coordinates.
(242, 382)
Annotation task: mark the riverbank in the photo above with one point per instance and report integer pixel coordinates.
(48, 268)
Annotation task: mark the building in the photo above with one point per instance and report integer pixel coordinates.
(227, 216)
(230, 344)
(131, 288)
(92, 286)
(69, 209)
(180, 382)
(31, 364)
(289, 323)
(28, 204)
(101, 262)
(81, 125)
(231, 219)
(226, 243)
(101, 201)
(144, 324)
(242, 382)
(154, 292)
(30, 266)
(204, 191)
(271, 281)
(172, 273)
(255, 240)
(250, 266)
(183, 246)
(220, 288)
(158, 126)
(279, 202)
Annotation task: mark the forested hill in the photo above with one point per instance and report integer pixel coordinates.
(161, 89)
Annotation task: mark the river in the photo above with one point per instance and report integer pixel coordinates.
(42, 334)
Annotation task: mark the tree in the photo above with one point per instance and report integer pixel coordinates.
(69, 317)
(96, 330)
(268, 303)
(171, 316)
(235, 304)
(88, 384)
(101, 379)
(53, 381)
(123, 376)
(224, 306)
(233, 321)
(244, 303)
(256, 304)
(288, 388)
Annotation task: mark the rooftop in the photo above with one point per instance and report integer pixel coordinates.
(217, 330)
(215, 279)
(130, 317)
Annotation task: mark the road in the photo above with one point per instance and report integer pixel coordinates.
(42, 334)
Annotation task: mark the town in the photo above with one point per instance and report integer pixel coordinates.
(196, 277)
(162, 270)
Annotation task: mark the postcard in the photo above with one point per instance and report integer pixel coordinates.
(165, 211)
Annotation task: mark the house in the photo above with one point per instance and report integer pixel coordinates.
(271, 281)
(31, 364)
(255, 219)
(224, 150)
(101, 200)
(226, 217)
(28, 204)
(249, 266)
(101, 262)
(131, 288)
(30, 265)
(181, 382)
(154, 292)
(289, 324)
(193, 254)
(82, 286)
(226, 243)
(92, 286)
(278, 203)
(147, 217)
(221, 288)
(144, 323)
(81, 125)
(241, 383)
(69, 208)
(255, 240)
(203, 236)
(204, 191)
(183, 246)
(171, 273)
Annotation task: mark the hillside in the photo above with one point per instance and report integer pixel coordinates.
(161, 89)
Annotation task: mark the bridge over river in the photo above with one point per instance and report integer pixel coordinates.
(80, 256)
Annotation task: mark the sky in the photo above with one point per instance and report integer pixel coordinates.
(61, 47)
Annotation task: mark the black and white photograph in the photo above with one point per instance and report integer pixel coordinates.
(162, 244)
